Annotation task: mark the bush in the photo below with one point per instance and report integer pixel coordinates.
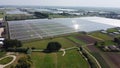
(24, 62)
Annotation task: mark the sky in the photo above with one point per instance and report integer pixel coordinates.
(78, 3)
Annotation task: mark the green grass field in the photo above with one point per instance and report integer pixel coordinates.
(72, 59)
(101, 36)
(6, 60)
(41, 44)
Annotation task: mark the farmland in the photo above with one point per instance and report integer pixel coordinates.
(114, 58)
(87, 39)
(76, 40)
(100, 59)
(101, 36)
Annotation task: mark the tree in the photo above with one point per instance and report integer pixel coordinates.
(80, 48)
(53, 47)
(12, 43)
(117, 40)
(102, 43)
(29, 51)
(96, 43)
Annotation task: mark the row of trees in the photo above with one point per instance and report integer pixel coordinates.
(117, 40)
(18, 17)
(11, 43)
(41, 15)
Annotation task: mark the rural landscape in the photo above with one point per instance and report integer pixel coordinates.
(59, 37)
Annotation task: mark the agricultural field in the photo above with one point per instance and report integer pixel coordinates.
(87, 39)
(92, 48)
(72, 38)
(114, 59)
(10, 17)
(100, 59)
(101, 36)
(61, 16)
(83, 39)
(108, 43)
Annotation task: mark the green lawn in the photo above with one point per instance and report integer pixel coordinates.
(41, 44)
(76, 40)
(72, 59)
(101, 36)
(6, 60)
(42, 60)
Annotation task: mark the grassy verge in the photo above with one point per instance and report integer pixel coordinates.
(6, 60)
